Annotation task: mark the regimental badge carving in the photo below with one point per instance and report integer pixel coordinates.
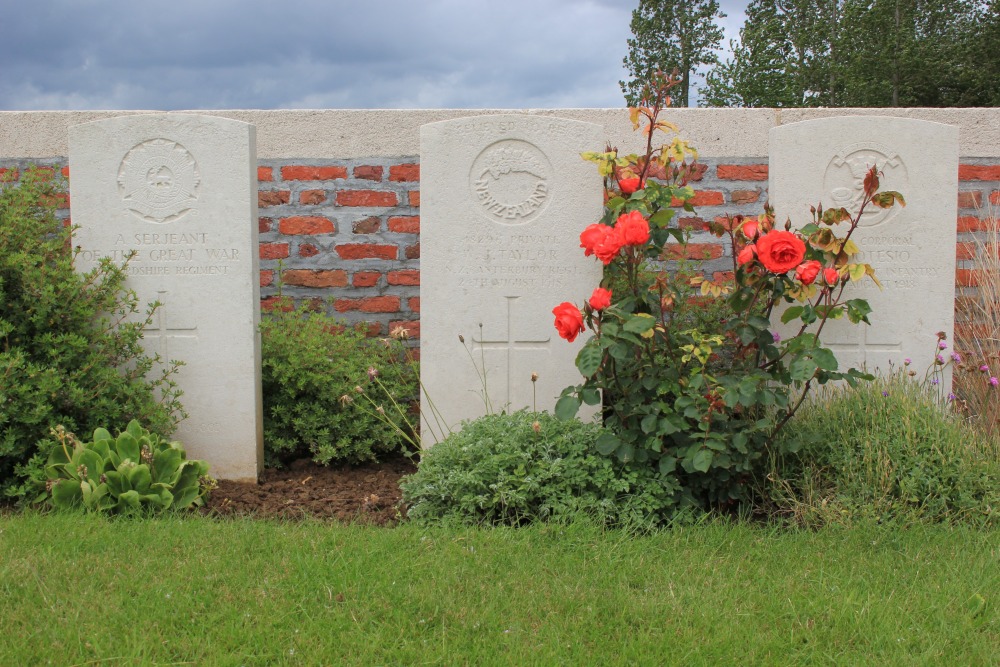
(844, 180)
(510, 182)
(159, 181)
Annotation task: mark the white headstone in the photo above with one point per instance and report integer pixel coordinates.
(503, 201)
(181, 191)
(911, 248)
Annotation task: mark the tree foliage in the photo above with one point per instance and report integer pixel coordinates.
(668, 35)
(863, 53)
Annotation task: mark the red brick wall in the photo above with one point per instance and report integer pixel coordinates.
(348, 231)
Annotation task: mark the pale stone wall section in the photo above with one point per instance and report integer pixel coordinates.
(343, 133)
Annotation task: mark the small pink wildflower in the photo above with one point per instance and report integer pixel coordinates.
(907, 361)
(943, 345)
(776, 336)
(956, 357)
(994, 381)
(984, 368)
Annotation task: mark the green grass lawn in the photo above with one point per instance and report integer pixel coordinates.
(81, 590)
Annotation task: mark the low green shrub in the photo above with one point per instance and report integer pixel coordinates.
(886, 449)
(521, 467)
(314, 371)
(136, 472)
(70, 349)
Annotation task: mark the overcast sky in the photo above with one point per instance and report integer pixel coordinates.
(351, 54)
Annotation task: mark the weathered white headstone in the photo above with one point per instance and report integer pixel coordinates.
(911, 248)
(181, 191)
(503, 201)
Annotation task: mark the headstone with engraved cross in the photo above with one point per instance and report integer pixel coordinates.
(180, 191)
(912, 248)
(164, 329)
(503, 201)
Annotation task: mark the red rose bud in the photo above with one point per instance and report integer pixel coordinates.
(633, 229)
(630, 185)
(746, 255)
(780, 251)
(750, 229)
(600, 299)
(806, 272)
(831, 276)
(569, 320)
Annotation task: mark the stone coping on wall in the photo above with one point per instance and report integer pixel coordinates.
(372, 133)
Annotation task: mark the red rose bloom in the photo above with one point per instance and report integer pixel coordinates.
(569, 320)
(600, 240)
(806, 272)
(600, 299)
(630, 185)
(780, 251)
(831, 276)
(633, 229)
(591, 236)
(746, 255)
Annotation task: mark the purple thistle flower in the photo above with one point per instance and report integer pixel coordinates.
(885, 393)
(956, 357)
(943, 345)
(776, 336)
(907, 361)
(935, 381)
(993, 381)
(939, 360)
(984, 368)
(952, 397)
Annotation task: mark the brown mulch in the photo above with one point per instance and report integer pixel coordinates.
(366, 493)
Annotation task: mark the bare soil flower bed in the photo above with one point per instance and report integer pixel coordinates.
(367, 493)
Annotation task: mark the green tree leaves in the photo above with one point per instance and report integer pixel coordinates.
(669, 34)
(862, 53)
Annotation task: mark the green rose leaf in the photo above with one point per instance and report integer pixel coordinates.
(567, 406)
(607, 443)
(588, 361)
(702, 460)
(790, 314)
(825, 359)
(640, 324)
(648, 424)
(858, 310)
(625, 452)
(802, 368)
(667, 464)
(590, 395)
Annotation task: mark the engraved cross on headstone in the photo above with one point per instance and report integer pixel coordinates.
(510, 343)
(161, 331)
(861, 347)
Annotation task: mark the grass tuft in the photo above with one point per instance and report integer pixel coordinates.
(885, 450)
(977, 329)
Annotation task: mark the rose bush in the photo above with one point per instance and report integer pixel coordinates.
(690, 373)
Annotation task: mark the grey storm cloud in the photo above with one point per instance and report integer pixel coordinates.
(216, 54)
